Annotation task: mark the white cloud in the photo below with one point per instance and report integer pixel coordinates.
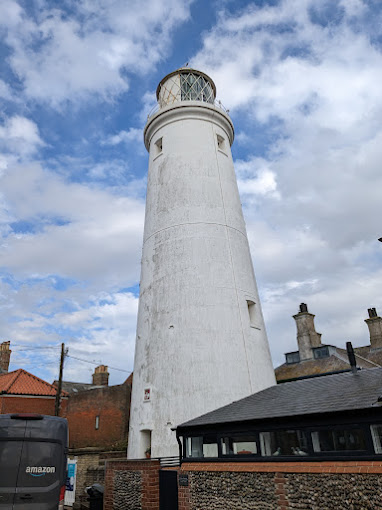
(311, 89)
(83, 232)
(254, 178)
(132, 135)
(58, 58)
(20, 136)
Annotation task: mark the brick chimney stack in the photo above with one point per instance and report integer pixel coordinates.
(101, 376)
(5, 356)
(307, 336)
(374, 323)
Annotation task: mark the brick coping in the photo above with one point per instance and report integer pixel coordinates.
(287, 467)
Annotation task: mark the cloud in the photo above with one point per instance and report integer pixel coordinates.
(132, 135)
(57, 57)
(304, 79)
(80, 231)
(254, 178)
(20, 136)
(69, 254)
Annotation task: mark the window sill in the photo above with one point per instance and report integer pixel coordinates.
(158, 156)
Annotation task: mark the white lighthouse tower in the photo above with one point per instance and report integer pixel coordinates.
(201, 341)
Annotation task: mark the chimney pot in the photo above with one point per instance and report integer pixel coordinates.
(374, 323)
(5, 357)
(101, 376)
(307, 336)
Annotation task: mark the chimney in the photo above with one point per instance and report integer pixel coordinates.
(351, 356)
(307, 336)
(5, 356)
(101, 376)
(374, 323)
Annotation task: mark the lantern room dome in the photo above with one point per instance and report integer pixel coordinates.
(185, 84)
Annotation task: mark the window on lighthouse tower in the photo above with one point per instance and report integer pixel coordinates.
(252, 313)
(158, 146)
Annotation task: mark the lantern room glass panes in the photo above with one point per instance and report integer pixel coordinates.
(194, 87)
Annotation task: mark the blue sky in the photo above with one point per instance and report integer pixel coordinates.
(302, 81)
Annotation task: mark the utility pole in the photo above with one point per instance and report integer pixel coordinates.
(59, 386)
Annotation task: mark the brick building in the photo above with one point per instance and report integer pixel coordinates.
(315, 358)
(99, 416)
(23, 392)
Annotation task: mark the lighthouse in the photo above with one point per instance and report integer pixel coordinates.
(201, 341)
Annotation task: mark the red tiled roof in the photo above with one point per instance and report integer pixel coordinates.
(21, 382)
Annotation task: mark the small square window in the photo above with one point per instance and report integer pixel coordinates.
(220, 142)
(292, 357)
(158, 146)
(252, 313)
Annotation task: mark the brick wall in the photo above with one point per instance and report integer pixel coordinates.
(90, 468)
(132, 485)
(111, 404)
(282, 486)
(352, 485)
(24, 404)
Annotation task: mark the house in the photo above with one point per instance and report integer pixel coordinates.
(23, 392)
(329, 417)
(315, 358)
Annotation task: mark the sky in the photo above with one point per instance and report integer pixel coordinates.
(302, 81)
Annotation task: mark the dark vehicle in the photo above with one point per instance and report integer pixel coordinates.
(33, 456)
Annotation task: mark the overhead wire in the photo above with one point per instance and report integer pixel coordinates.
(96, 363)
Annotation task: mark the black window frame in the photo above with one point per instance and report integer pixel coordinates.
(310, 425)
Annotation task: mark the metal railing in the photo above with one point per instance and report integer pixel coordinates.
(216, 103)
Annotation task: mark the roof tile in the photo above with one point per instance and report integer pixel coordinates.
(21, 382)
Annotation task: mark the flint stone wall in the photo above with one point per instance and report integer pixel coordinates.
(127, 493)
(236, 491)
(326, 485)
(334, 492)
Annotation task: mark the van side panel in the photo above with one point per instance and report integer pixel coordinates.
(37, 471)
(11, 440)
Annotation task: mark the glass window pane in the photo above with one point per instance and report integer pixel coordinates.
(201, 446)
(195, 88)
(283, 442)
(210, 446)
(194, 447)
(376, 434)
(239, 445)
(338, 440)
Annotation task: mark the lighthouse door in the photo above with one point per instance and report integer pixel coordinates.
(168, 490)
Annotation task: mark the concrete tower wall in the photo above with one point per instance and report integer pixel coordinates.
(201, 341)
